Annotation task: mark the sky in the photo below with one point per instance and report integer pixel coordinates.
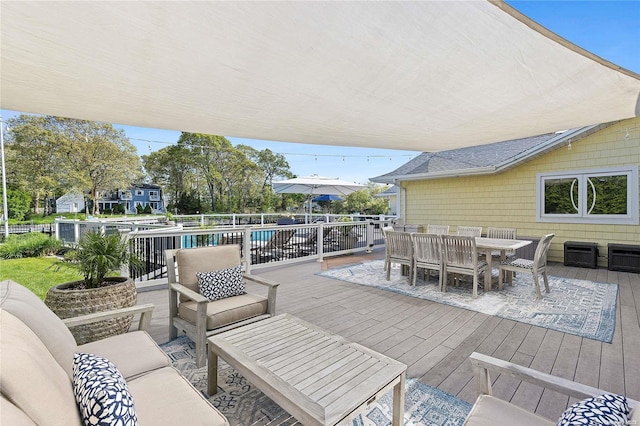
(609, 29)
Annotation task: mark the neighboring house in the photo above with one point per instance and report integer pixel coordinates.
(391, 194)
(143, 195)
(71, 202)
(580, 184)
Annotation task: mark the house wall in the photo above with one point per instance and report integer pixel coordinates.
(509, 199)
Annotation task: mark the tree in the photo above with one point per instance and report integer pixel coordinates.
(272, 166)
(18, 203)
(34, 144)
(71, 154)
(172, 168)
(364, 201)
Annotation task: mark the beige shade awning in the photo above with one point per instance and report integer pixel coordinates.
(423, 76)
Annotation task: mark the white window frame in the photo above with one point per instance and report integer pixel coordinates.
(139, 192)
(631, 218)
(154, 195)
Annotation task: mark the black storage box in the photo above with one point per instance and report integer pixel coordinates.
(582, 254)
(624, 257)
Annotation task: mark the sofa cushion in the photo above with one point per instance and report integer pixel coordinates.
(222, 283)
(12, 415)
(32, 311)
(165, 397)
(606, 409)
(200, 259)
(101, 392)
(491, 411)
(31, 377)
(124, 351)
(226, 311)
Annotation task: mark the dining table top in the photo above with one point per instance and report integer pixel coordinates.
(501, 243)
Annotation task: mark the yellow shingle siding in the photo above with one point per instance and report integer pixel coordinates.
(508, 199)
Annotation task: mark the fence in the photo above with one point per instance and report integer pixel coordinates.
(260, 246)
(262, 219)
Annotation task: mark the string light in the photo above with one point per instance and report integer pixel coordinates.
(315, 156)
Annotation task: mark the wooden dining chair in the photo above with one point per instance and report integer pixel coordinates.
(385, 229)
(438, 229)
(469, 231)
(427, 254)
(504, 233)
(460, 256)
(535, 267)
(399, 249)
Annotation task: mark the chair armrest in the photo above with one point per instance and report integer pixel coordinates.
(188, 293)
(260, 280)
(145, 312)
(273, 288)
(482, 364)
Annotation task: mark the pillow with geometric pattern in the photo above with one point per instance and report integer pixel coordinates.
(607, 409)
(101, 392)
(220, 284)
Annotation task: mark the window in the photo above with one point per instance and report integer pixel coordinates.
(126, 195)
(154, 195)
(139, 192)
(607, 196)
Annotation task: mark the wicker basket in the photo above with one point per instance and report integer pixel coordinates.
(72, 303)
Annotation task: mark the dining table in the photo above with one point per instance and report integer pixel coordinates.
(489, 245)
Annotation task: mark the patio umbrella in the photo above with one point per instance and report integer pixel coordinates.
(315, 184)
(327, 198)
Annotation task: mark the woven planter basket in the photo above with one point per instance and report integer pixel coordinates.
(72, 303)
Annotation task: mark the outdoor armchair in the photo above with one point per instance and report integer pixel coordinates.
(198, 316)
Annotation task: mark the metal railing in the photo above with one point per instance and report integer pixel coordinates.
(260, 247)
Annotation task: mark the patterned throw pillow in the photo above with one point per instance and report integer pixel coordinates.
(222, 283)
(101, 392)
(607, 409)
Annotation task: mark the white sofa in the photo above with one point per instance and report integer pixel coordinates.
(490, 411)
(36, 350)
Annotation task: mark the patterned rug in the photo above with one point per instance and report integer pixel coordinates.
(243, 404)
(579, 307)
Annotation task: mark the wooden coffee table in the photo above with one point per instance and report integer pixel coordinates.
(318, 377)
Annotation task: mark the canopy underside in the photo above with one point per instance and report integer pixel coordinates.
(423, 76)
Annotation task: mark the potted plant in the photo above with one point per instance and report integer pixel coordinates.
(98, 257)
(346, 237)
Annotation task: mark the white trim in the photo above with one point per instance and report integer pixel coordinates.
(633, 188)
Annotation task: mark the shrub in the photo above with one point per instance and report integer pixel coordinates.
(147, 209)
(32, 244)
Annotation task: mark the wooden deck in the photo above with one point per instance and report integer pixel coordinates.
(435, 340)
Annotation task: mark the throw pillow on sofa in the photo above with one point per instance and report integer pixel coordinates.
(607, 409)
(220, 284)
(101, 392)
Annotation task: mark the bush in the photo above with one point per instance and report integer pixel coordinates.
(139, 209)
(147, 209)
(32, 244)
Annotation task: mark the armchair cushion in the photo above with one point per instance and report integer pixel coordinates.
(607, 409)
(491, 411)
(226, 311)
(220, 284)
(191, 261)
(124, 351)
(101, 392)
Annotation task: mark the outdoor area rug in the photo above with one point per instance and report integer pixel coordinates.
(243, 404)
(579, 307)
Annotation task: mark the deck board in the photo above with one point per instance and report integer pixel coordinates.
(435, 340)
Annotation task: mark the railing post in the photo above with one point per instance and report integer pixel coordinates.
(57, 227)
(246, 247)
(76, 231)
(370, 239)
(202, 220)
(233, 220)
(320, 241)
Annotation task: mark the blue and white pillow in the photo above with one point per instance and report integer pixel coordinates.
(216, 285)
(101, 392)
(607, 409)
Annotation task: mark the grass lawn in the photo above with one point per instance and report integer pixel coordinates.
(36, 274)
